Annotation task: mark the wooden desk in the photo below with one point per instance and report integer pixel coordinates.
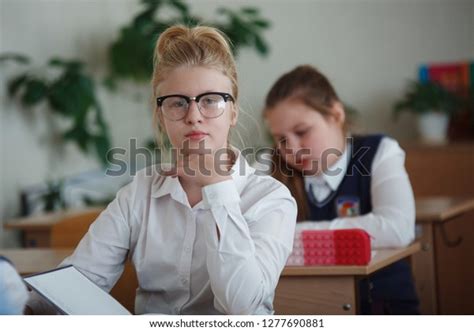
(34, 260)
(442, 209)
(37, 229)
(30, 261)
(329, 289)
(440, 169)
(301, 290)
(443, 268)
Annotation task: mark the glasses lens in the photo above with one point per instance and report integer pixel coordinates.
(174, 108)
(212, 105)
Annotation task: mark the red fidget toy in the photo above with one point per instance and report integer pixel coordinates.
(330, 247)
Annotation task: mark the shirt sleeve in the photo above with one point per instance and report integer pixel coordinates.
(245, 255)
(392, 220)
(102, 252)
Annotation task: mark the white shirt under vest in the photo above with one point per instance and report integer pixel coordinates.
(392, 220)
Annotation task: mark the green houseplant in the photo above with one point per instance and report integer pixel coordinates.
(131, 55)
(71, 94)
(433, 105)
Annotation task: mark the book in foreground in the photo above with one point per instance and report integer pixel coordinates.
(72, 293)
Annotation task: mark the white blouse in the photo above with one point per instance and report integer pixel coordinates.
(181, 264)
(392, 220)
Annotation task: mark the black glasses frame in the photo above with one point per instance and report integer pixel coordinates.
(226, 96)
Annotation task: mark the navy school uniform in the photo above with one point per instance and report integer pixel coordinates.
(390, 290)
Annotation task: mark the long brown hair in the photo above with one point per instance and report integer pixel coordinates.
(309, 86)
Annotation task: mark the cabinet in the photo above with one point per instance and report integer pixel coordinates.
(447, 247)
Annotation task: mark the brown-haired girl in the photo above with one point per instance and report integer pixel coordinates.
(342, 181)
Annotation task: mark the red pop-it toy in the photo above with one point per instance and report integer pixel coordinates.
(331, 247)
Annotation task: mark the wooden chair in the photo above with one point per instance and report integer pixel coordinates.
(68, 233)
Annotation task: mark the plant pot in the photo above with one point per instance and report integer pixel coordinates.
(433, 127)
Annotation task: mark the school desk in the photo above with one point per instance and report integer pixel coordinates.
(330, 289)
(36, 230)
(33, 260)
(443, 269)
(301, 290)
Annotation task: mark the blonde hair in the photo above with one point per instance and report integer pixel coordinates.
(191, 46)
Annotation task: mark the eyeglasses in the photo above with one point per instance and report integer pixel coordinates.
(210, 104)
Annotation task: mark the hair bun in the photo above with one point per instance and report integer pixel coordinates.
(179, 36)
(169, 36)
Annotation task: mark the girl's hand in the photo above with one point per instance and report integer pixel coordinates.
(203, 166)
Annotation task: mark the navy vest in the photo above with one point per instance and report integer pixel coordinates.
(355, 187)
(391, 290)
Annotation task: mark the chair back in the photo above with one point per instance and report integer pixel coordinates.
(68, 232)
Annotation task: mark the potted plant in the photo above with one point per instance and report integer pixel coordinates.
(71, 94)
(131, 54)
(434, 106)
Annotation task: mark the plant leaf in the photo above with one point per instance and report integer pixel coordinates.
(261, 23)
(261, 45)
(15, 57)
(16, 83)
(35, 91)
(102, 146)
(250, 10)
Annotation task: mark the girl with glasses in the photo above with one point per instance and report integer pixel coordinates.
(207, 236)
(342, 181)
